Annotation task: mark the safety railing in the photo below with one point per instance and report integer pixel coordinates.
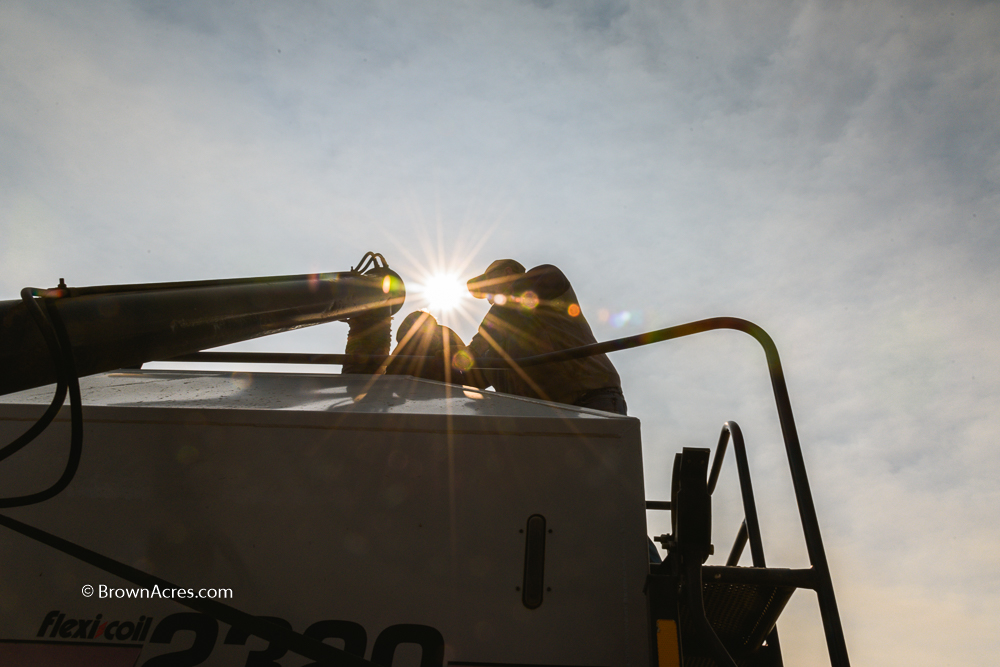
(817, 577)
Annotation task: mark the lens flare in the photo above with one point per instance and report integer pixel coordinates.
(529, 300)
(461, 361)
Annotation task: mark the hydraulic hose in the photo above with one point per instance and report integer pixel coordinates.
(27, 295)
(62, 357)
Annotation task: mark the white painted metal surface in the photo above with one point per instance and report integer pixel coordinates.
(317, 498)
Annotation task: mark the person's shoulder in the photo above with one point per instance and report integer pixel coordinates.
(547, 281)
(546, 271)
(448, 334)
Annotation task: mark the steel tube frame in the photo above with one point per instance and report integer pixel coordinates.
(117, 326)
(751, 523)
(764, 576)
(750, 526)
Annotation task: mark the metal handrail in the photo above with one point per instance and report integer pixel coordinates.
(832, 627)
(836, 644)
(750, 527)
(751, 524)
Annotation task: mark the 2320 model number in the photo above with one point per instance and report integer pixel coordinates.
(353, 635)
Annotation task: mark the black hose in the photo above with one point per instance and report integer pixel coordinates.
(62, 356)
(27, 295)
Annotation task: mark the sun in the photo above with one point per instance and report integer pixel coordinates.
(443, 292)
(436, 270)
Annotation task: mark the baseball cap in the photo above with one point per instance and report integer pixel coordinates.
(494, 276)
(418, 318)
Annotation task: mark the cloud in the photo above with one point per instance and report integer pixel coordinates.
(827, 170)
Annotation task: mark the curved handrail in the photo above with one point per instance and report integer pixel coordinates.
(832, 626)
(751, 524)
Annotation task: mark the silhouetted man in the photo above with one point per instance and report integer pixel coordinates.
(419, 335)
(534, 312)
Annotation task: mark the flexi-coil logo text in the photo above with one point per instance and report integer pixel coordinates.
(56, 624)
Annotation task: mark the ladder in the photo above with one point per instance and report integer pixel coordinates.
(724, 616)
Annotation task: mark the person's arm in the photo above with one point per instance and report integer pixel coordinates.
(479, 350)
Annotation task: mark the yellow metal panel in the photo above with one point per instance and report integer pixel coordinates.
(667, 650)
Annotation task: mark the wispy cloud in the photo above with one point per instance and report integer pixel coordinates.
(828, 170)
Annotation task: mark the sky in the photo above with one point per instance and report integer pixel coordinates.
(827, 170)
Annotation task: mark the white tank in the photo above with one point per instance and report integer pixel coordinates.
(386, 510)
